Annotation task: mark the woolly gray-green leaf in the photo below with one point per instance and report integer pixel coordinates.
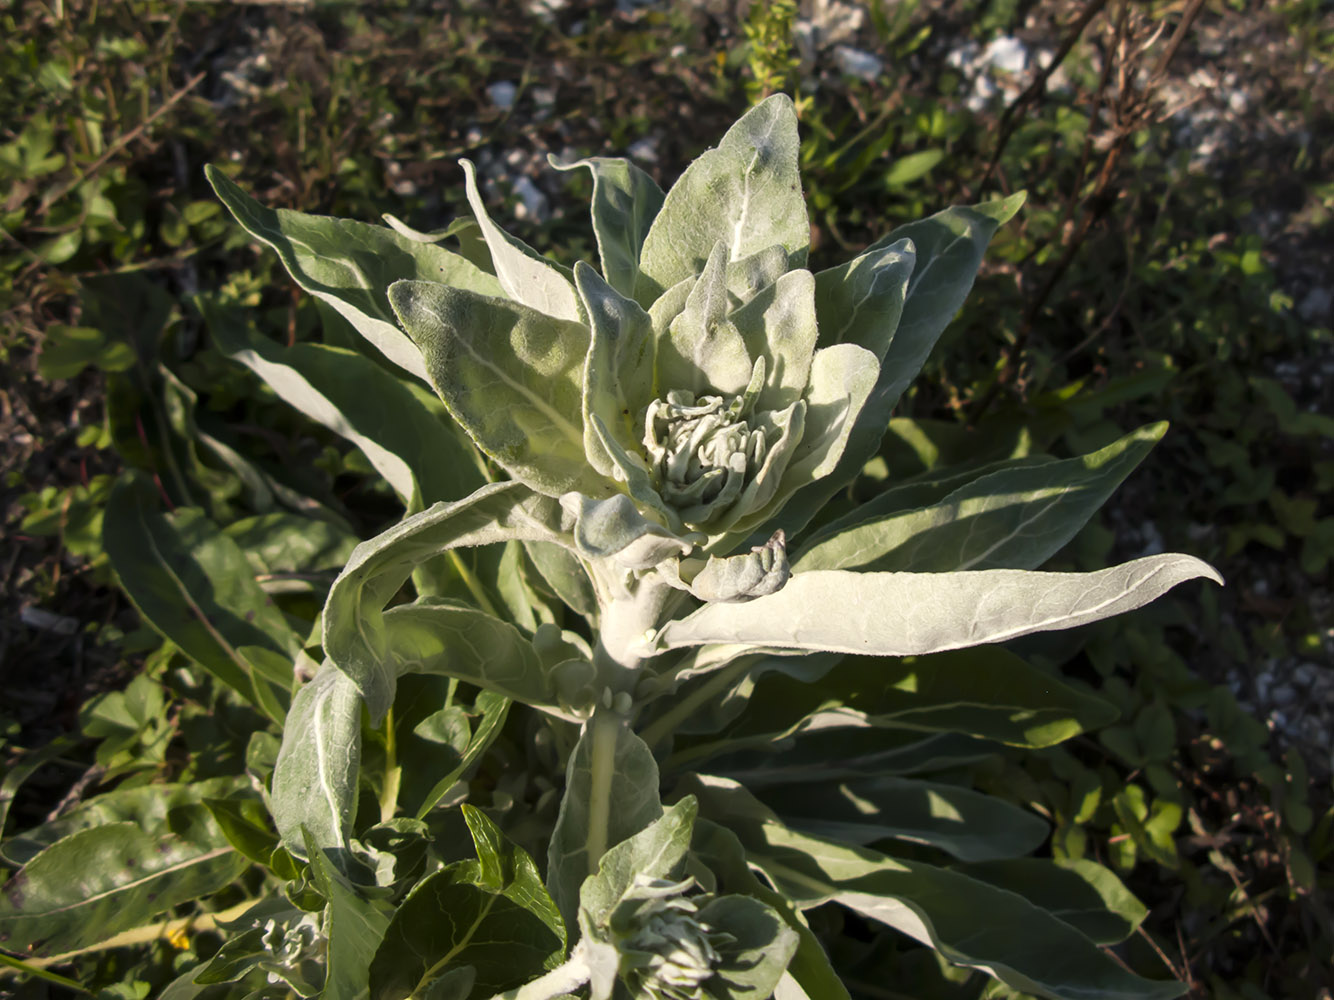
(746, 193)
(615, 530)
(511, 376)
(779, 324)
(315, 778)
(611, 793)
(1011, 519)
(618, 374)
(860, 302)
(526, 276)
(354, 632)
(416, 453)
(763, 570)
(757, 955)
(354, 927)
(722, 852)
(702, 352)
(658, 852)
(949, 247)
(350, 265)
(625, 202)
(457, 641)
(906, 614)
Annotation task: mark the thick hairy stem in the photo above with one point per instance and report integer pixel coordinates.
(629, 621)
(603, 732)
(561, 980)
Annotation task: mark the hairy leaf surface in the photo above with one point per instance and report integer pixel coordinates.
(492, 914)
(625, 202)
(1010, 519)
(315, 778)
(611, 793)
(745, 193)
(106, 879)
(511, 376)
(904, 614)
(350, 265)
(354, 632)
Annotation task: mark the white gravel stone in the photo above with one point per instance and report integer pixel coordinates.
(645, 149)
(856, 62)
(502, 94)
(1006, 53)
(533, 203)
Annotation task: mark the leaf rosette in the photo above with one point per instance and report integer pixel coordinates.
(690, 377)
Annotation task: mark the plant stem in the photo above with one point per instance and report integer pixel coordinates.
(563, 979)
(473, 584)
(665, 724)
(604, 732)
(392, 772)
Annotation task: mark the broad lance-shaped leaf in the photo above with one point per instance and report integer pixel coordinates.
(282, 542)
(983, 691)
(860, 753)
(98, 882)
(1011, 519)
(492, 914)
(353, 925)
(527, 276)
(860, 302)
(746, 193)
(625, 202)
(193, 584)
(618, 372)
(907, 614)
(315, 778)
(963, 823)
(611, 793)
(421, 458)
(354, 630)
(351, 265)
(1080, 892)
(432, 637)
(1019, 943)
(511, 376)
(148, 807)
(949, 247)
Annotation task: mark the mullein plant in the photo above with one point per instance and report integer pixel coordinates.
(706, 640)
